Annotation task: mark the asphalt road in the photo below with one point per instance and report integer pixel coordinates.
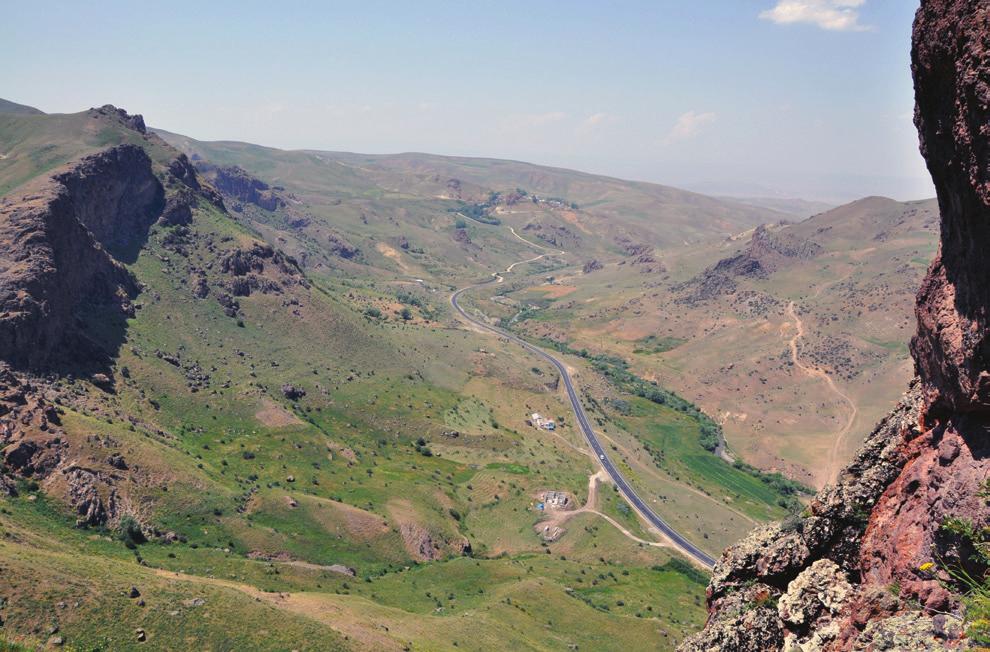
(638, 503)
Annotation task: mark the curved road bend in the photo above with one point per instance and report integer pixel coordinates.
(638, 503)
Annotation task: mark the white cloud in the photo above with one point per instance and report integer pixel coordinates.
(833, 15)
(688, 126)
(591, 124)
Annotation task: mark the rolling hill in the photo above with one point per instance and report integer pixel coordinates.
(791, 335)
(376, 200)
(221, 389)
(242, 391)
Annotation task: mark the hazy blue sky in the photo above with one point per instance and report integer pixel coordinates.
(810, 98)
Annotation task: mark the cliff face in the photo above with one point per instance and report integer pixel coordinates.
(237, 184)
(114, 194)
(63, 244)
(951, 66)
(55, 243)
(847, 574)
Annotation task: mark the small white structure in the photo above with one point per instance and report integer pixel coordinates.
(539, 421)
(556, 499)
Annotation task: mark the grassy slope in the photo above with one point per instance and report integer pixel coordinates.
(6, 106)
(215, 468)
(34, 144)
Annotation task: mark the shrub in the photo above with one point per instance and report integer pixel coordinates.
(129, 531)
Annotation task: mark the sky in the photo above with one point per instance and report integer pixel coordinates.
(789, 98)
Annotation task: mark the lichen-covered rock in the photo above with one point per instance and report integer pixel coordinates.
(912, 631)
(820, 589)
(742, 621)
(775, 554)
(769, 554)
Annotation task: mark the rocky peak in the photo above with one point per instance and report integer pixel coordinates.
(135, 122)
(765, 253)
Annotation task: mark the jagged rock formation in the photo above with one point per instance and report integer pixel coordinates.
(826, 580)
(592, 265)
(339, 246)
(953, 109)
(763, 255)
(236, 183)
(135, 122)
(29, 428)
(247, 269)
(64, 242)
(55, 244)
(33, 445)
(554, 234)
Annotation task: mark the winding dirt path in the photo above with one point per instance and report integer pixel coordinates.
(834, 462)
(589, 507)
(533, 244)
(523, 262)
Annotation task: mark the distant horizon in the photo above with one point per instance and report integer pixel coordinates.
(711, 188)
(809, 99)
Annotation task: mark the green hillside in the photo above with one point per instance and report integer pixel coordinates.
(313, 453)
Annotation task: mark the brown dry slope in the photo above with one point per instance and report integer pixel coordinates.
(712, 322)
(894, 555)
(814, 371)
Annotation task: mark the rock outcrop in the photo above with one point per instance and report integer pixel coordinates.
(30, 430)
(867, 567)
(235, 182)
(340, 247)
(952, 85)
(135, 122)
(259, 268)
(64, 243)
(764, 254)
(56, 240)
